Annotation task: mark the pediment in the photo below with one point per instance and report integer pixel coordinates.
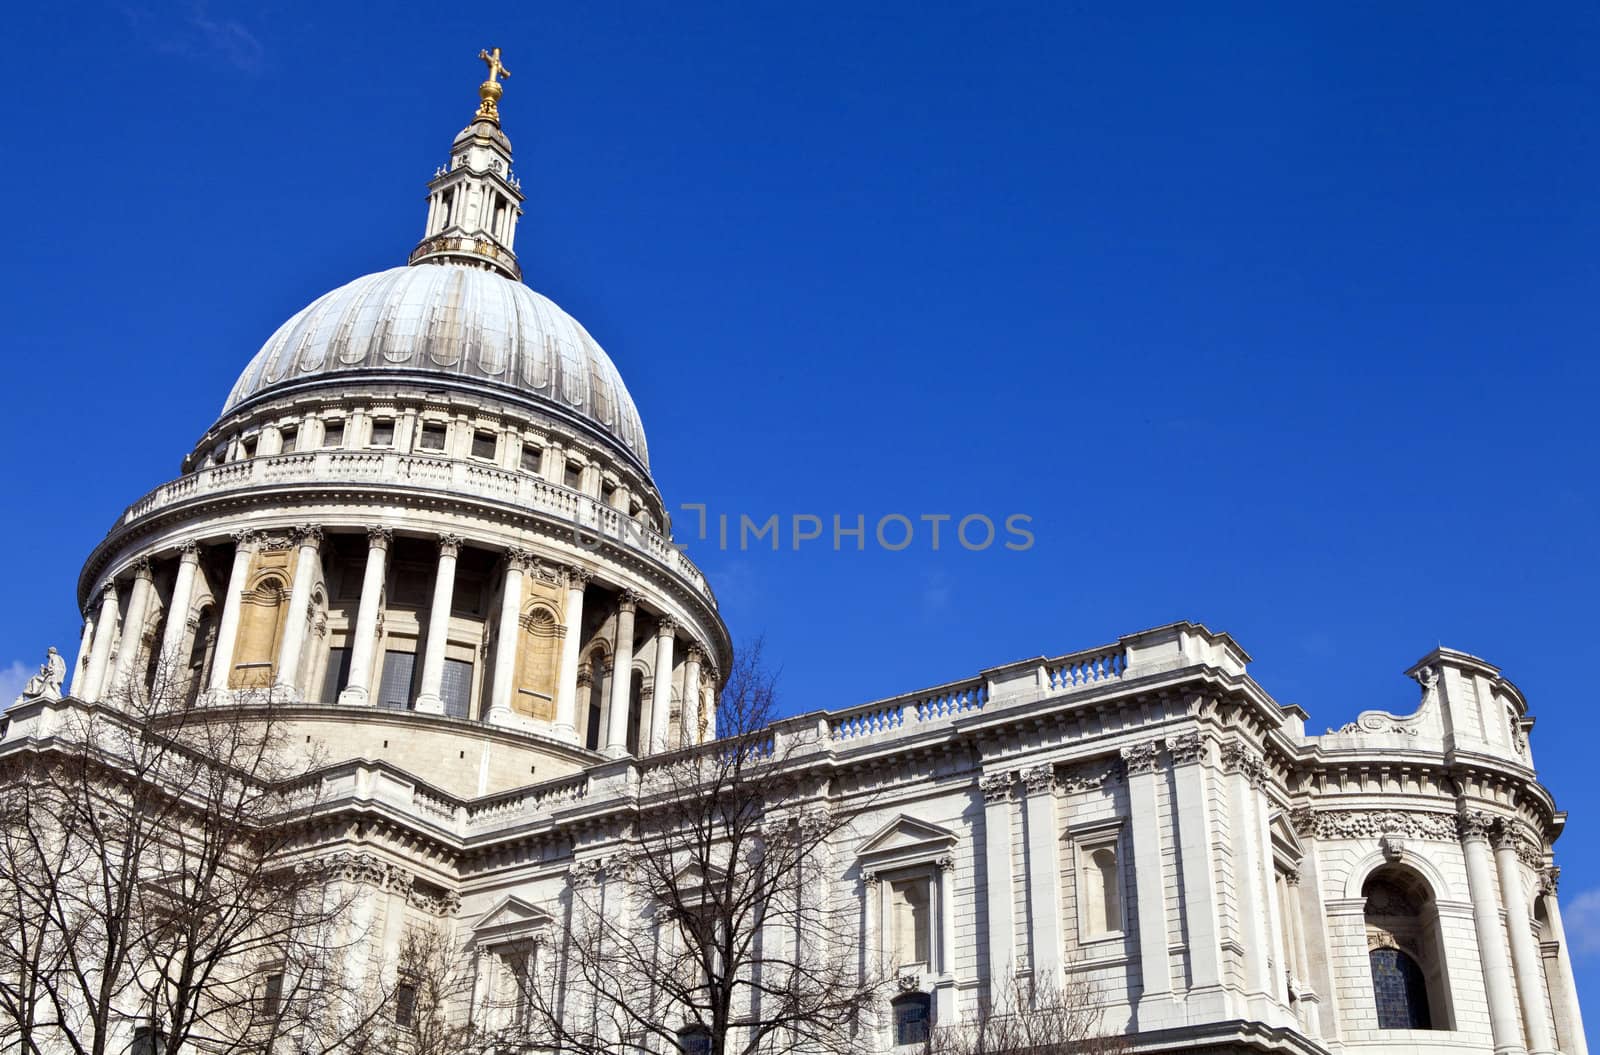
(511, 918)
(906, 840)
(1284, 841)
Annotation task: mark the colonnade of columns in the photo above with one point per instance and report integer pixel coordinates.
(97, 675)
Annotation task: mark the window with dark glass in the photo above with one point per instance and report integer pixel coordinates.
(333, 434)
(608, 492)
(405, 1004)
(911, 1018)
(483, 444)
(338, 673)
(696, 1040)
(572, 474)
(291, 436)
(456, 687)
(383, 432)
(1399, 990)
(532, 456)
(432, 437)
(394, 688)
(272, 994)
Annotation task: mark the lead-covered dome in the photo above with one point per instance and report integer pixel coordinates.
(451, 323)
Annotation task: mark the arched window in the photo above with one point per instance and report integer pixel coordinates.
(912, 1016)
(695, 1040)
(1405, 951)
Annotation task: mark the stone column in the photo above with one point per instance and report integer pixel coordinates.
(1245, 768)
(228, 628)
(178, 611)
(661, 685)
(1571, 1019)
(1143, 762)
(364, 638)
(1044, 875)
(105, 628)
(80, 667)
(429, 698)
(505, 642)
(1475, 828)
(144, 584)
(286, 684)
(945, 995)
(996, 789)
(566, 725)
(1524, 954)
(710, 705)
(622, 677)
(689, 713)
(1188, 754)
(1301, 968)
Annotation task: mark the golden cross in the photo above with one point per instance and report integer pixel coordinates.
(492, 60)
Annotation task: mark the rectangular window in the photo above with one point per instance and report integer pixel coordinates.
(456, 687)
(394, 688)
(338, 673)
(291, 436)
(272, 994)
(333, 434)
(383, 432)
(432, 438)
(608, 492)
(405, 1004)
(532, 456)
(572, 474)
(483, 445)
(247, 448)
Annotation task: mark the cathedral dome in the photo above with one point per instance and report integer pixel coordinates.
(452, 324)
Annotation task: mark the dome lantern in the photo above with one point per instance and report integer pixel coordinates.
(474, 201)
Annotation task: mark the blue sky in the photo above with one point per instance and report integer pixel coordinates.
(1275, 317)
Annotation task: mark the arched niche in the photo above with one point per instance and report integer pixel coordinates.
(1405, 950)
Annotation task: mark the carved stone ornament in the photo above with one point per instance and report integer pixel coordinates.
(246, 539)
(628, 600)
(1142, 758)
(1475, 824)
(666, 626)
(871, 880)
(379, 537)
(996, 786)
(1551, 878)
(189, 549)
(1187, 749)
(1393, 845)
(1241, 758)
(1373, 824)
(519, 559)
(946, 863)
(360, 868)
(908, 982)
(585, 874)
(1039, 779)
(1091, 777)
(308, 535)
(577, 577)
(143, 569)
(450, 545)
(1291, 876)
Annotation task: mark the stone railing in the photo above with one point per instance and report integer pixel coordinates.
(940, 703)
(592, 522)
(506, 809)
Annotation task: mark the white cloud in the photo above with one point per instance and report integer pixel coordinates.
(13, 678)
(1581, 918)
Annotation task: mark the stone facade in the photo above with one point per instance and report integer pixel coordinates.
(462, 588)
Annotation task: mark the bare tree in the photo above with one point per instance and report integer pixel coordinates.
(1062, 1019)
(712, 928)
(152, 880)
(425, 1011)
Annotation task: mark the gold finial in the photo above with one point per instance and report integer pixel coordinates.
(490, 90)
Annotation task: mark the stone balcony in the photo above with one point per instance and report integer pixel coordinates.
(592, 523)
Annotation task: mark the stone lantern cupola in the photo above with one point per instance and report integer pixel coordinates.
(474, 201)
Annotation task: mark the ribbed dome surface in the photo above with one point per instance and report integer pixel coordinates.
(449, 322)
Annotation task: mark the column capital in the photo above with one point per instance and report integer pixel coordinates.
(577, 576)
(142, 569)
(307, 534)
(107, 591)
(694, 654)
(450, 545)
(247, 539)
(1142, 758)
(1291, 876)
(1550, 878)
(1475, 826)
(1239, 757)
(710, 673)
(517, 559)
(1187, 749)
(189, 550)
(628, 601)
(666, 626)
(1039, 779)
(996, 787)
(379, 536)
